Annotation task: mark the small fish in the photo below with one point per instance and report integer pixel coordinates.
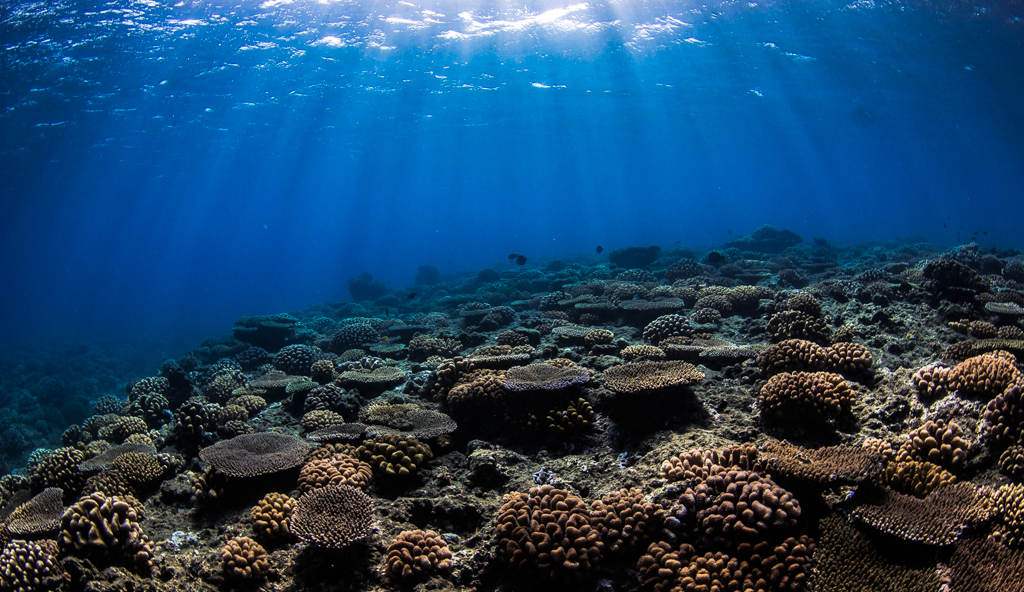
(387, 313)
(730, 231)
(411, 295)
(520, 259)
(985, 233)
(600, 249)
(512, 257)
(944, 225)
(715, 257)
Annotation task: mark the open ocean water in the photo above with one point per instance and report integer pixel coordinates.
(169, 167)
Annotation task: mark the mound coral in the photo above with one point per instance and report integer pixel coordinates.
(547, 533)
(415, 553)
(271, 517)
(244, 559)
(822, 394)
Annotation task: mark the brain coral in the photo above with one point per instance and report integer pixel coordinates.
(646, 376)
(334, 516)
(547, 533)
(244, 559)
(822, 394)
(414, 553)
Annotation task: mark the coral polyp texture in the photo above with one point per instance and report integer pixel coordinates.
(639, 377)
(107, 530)
(244, 559)
(334, 516)
(547, 533)
(416, 553)
(822, 394)
(766, 416)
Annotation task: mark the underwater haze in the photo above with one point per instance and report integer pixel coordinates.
(168, 167)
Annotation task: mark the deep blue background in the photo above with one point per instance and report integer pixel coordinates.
(166, 169)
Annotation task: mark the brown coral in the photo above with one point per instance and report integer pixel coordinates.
(848, 560)
(1011, 462)
(824, 466)
(576, 420)
(415, 553)
(31, 566)
(244, 559)
(847, 358)
(319, 419)
(649, 352)
(986, 375)
(547, 377)
(334, 516)
(918, 479)
(984, 565)
(646, 376)
(1008, 510)
(932, 381)
(700, 464)
(271, 517)
(478, 393)
(337, 469)
(105, 529)
(794, 324)
(936, 443)
(394, 460)
(39, 515)
(624, 519)
(60, 469)
(598, 337)
(939, 519)
(547, 532)
(823, 394)
(1004, 418)
(250, 455)
(792, 355)
(138, 468)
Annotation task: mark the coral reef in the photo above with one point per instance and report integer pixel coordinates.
(563, 423)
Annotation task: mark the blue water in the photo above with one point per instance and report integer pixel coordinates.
(167, 168)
